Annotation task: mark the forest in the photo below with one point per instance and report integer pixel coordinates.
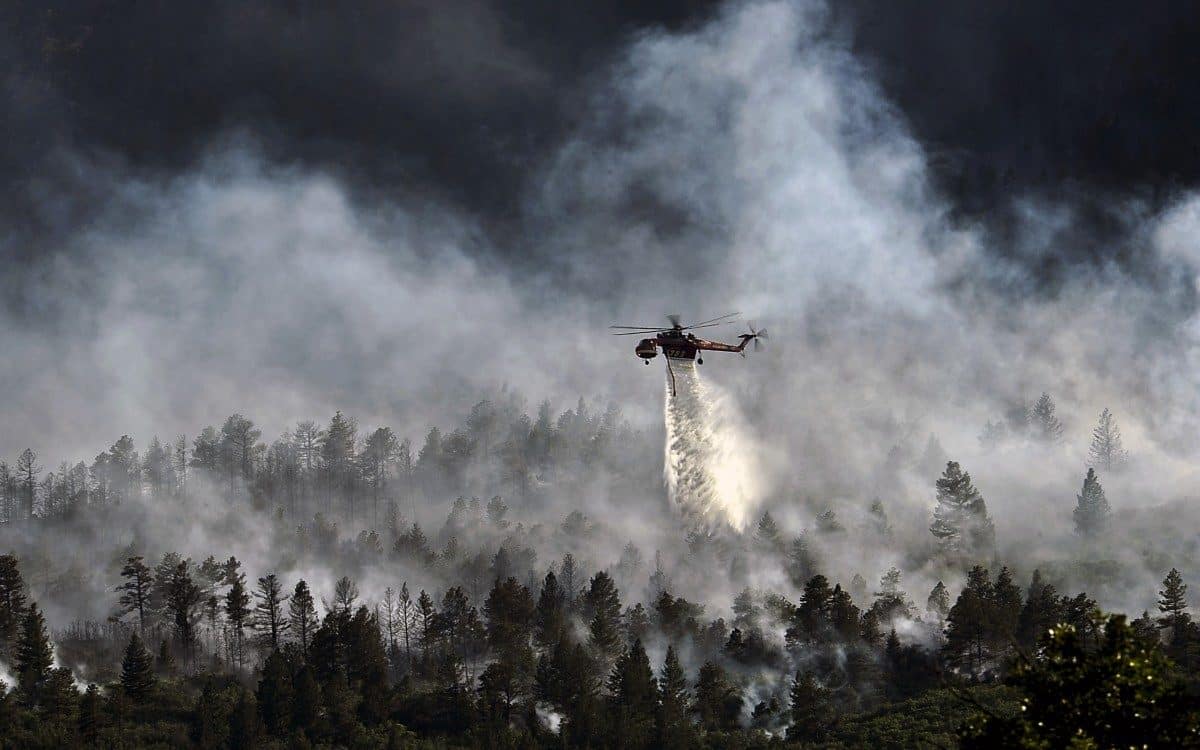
(220, 591)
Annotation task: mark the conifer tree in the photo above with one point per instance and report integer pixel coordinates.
(274, 695)
(938, 603)
(634, 695)
(268, 611)
(12, 602)
(237, 613)
(135, 590)
(718, 702)
(674, 728)
(1172, 603)
(1045, 425)
(1005, 611)
(183, 598)
(1041, 611)
(802, 565)
(767, 535)
(302, 614)
(1092, 511)
(604, 605)
(137, 670)
(968, 622)
(550, 615)
(1106, 450)
(34, 656)
(810, 709)
(961, 523)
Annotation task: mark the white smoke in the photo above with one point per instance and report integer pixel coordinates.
(709, 465)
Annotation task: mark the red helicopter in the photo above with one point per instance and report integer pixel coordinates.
(677, 343)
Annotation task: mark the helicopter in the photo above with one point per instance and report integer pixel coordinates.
(677, 342)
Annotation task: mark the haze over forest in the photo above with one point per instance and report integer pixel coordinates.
(320, 297)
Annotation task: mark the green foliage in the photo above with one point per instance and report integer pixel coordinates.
(1092, 511)
(34, 657)
(137, 670)
(1120, 694)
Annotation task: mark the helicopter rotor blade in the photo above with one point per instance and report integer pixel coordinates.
(639, 328)
(637, 333)
(714, 320)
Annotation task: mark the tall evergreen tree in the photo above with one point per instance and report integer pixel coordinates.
(1092, 511)
(274, 695)
(1045, 425)
(237, 614)
(269, 619)
(137, 670)
(961, 523)
(810, 709)
(550, 617)
(183, 598)
(34, 657)
(1172, 603)
(672, 723)
(718, 702)
(302, 614)
(938, 603)
(1106, 450)
(12, 602)
(967, 625)
(604, 606)
(634, 697)
(135, 590)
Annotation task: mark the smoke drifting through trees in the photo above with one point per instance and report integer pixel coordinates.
(765, 165)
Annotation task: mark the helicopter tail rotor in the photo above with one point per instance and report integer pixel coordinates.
(758, 336)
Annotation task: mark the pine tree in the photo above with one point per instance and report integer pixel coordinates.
(1045, 425)
(1106, 450)
(268, 611)
(718, 702)
(274, 695)
(237, 612)
(604, 605)
(674, 728)
(1005, 606)
(802, 564)
(767, 535)
(968, 622)
(12, 602)
(938, 603)
(183, 597)
(1092, 511)
(1172, 603)
(137, 670)
(634, 695)
(135, 590)
(810, 710)
(34, 656)
(1042, 610)
(302, 614)
(550, 617)
(960, 520)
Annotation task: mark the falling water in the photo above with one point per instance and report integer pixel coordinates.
(710, 469)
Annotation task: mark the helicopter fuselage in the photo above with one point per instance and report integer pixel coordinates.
(680, 345)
